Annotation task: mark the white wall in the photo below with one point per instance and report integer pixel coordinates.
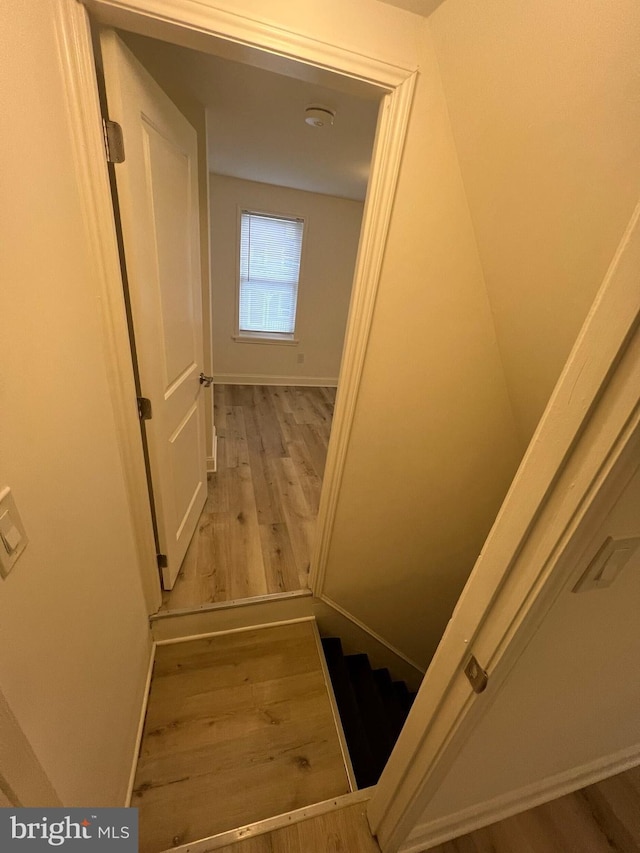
(573, 698)
(74, 640)
(544, 99)
(330, 244)
(433, 447)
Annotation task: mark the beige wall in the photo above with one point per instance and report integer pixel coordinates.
(74, 641)
(544, 99)
(573, 697)
(332, 230)
(433, 447)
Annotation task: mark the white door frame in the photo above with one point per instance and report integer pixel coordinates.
(191, 24)
(583, 453)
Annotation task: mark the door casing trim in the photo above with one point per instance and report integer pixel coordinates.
(190, 23)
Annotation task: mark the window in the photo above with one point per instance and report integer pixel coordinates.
(270, 249)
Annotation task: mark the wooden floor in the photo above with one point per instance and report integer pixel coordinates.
(256, 531)
(239, 728)
(603, 818)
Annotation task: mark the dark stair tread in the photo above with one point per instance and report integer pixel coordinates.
(395, 711)
(364, 766)
(372, 707)
(404, 697)
(372, 710)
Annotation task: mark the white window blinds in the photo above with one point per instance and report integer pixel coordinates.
(270, 248)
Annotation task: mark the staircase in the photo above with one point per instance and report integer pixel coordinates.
(372, 709)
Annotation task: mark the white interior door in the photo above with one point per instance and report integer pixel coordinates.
(158, 197)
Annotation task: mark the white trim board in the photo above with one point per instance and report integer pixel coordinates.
(334, 621)
(437, 832)
(272, 824)
(212, 461)
(265, 379)
(143, 714)
(224, 616)
(385, 166)
(192, 23)
(243, 629)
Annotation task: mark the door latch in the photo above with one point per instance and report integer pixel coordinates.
(207, 381)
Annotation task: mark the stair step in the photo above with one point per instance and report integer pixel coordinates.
(404, 697)
(394, 710)
(364, 766)
(372, 710)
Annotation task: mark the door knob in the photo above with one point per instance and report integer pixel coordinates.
(207, 381)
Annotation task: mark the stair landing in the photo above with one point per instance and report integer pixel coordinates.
(239, 728)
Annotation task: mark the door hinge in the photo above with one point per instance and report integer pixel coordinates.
(145, 412)
(113, 141)
(162, 561)
(477, 676)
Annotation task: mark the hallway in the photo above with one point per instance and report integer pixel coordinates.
(263, 500)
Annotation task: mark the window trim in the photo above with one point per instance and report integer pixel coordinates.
(281, 338)
(248, 337)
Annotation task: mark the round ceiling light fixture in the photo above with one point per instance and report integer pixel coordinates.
(319, 116)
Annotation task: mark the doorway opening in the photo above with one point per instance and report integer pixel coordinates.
(270, 411)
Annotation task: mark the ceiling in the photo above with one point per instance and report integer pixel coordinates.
(256, 121)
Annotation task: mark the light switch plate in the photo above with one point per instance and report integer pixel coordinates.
(13, 537)
(610, 559)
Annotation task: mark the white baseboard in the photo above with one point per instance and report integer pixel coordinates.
(265, 379)
(428, 835)
(143, 714)
(333, 620)
(230, 615)
(212, 461)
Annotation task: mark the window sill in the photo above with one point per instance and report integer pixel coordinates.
(265, 338)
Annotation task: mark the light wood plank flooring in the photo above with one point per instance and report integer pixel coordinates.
(256, 531)
(239, 728)
(603, 818)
